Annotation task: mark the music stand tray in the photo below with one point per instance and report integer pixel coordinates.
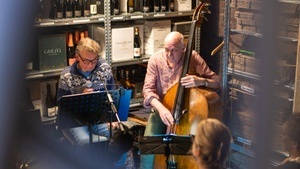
(160, 144)
(88, 108)
(166, 144)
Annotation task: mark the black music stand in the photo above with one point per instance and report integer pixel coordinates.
(89, 108)
(165, 144)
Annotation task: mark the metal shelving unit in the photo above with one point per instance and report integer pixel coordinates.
(237, 73)
(107, 19)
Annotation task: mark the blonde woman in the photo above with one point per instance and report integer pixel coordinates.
(211, 144)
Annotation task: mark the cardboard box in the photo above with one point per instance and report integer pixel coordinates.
(154, 35)
(182, 27)
(183, 5)
(97, 32)
(52, 52)
(122, 44)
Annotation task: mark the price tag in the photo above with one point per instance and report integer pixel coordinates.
(137, 17)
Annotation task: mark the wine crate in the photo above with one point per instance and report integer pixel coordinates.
(122, 42)
(52, 52)
(97, 32)
(183, 5)
(154, 35)
(244, 63)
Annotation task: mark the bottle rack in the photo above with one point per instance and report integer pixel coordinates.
(107, 19)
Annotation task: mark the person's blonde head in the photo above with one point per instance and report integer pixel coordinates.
(89, 45)
(211, 143)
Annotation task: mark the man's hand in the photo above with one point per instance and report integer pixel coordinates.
(88, 90)
(192, 81)
(166, 116)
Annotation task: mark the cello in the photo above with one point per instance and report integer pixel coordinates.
(190, 105)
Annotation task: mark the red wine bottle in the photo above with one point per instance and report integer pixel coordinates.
(77, 8)
(86, 8)
(68, 9)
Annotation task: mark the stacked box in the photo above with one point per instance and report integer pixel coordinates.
(247, 4)
(52, 52)
(244, 63)
(183, 5)
(250, 20)
(154, 35)
(122, 42)
(97, 32)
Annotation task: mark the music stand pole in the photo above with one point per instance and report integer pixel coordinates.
(165, 144)
(114, 111)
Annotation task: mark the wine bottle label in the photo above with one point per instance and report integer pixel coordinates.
(69, 14)
(136, 53)
(116, 11)
(59, 15)
(86, 12)
(93, 9)
(172, 6)
(146, 8)
(29, 66)
(163, 8)
(130, 10)
(51, 111)
(77, 13)
(156, 8)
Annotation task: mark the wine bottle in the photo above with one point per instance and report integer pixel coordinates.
(86, 8)
(86, 34)
(76, 38)
(81, 35)
(130, 6)
(156, 6)
(138, 5)
(146, 6)
(136, 44)
(163, 5)
(55, 97)
(132, 82)
(59, 12)
(122, 78)
(28, 105)
(93, 7)
(53, 9)
(50, 103)
(77, 8)
(115, 7)
(127, 81)
(40, 8)
(171, 5)
(68, 9)
(70, 50)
